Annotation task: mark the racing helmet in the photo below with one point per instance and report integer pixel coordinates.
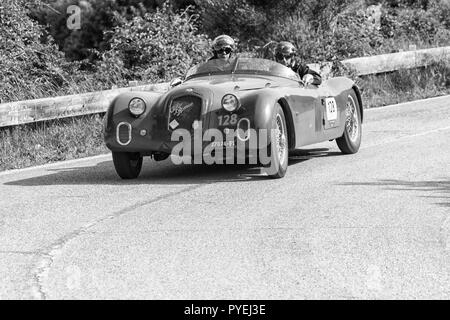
(223, 41)
(285, 48)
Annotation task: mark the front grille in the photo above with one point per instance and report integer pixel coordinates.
(123, 133)
(184, 111)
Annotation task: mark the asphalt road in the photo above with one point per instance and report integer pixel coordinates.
(370, 225)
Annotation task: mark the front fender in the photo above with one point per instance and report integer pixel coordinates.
(118, 112)
(262, 105)
(260, 108)
(120, 103)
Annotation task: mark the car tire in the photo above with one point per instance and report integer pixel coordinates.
(350, 140)
(278, 147)
(128, 165)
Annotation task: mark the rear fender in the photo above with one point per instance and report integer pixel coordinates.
(340, 84)
(358, 95)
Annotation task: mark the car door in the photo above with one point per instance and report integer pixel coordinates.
(331, 111)
(305, 104)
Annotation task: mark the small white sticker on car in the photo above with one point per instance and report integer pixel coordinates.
(174, 124)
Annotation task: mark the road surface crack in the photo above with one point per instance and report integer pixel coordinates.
(47, 255)
(21, 253)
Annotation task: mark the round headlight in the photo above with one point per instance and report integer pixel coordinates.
(230, 102)
(137, 107)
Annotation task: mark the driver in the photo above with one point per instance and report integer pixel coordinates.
(223, 46)
(285, 54)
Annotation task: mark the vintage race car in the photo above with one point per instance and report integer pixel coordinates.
(243, 109)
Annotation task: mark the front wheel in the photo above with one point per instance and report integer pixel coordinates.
(128, 165)
(279, 146)
(350, 141)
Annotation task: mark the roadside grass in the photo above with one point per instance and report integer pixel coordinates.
(51, 141)
(405, 85)
(78, 137)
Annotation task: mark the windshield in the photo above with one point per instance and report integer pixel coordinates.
(242, 66)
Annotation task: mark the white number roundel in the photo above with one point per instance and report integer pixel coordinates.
(331, 108)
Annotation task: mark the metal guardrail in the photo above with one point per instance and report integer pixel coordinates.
(28, 111)
(22, 112)
(389, 62)
(396, 61)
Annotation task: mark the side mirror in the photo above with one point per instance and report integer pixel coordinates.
(175, 82)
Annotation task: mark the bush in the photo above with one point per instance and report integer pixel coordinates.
(415, 26)
(334, 36)
(29, 60)
(236, 18)
(146, 40)
(97, 18)
(154, 47)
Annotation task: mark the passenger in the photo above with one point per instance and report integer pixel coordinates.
(285, 54)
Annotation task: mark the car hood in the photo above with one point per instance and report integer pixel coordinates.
(213, 88)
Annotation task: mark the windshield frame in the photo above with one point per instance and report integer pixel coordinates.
(233, 71)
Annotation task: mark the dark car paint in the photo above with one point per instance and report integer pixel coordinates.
(303, 107)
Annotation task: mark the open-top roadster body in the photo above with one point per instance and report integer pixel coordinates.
(238, 98)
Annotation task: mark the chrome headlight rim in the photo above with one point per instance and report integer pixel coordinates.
(137, 107)
(233, 106)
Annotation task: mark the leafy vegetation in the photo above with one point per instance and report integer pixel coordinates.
(154, 40)
(29, 61)
(154, 47)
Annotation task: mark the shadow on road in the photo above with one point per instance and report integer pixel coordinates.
(306, 154)
(436, 189)
(161, 173)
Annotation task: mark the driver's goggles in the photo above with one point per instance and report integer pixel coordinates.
(225, 50)
(280, 56)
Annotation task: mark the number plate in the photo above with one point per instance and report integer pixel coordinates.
(331, 108)
(216, 144)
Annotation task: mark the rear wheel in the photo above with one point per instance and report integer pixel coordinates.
(350, 141)
(128, 165)
(278, 148)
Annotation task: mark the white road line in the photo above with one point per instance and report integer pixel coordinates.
(55, 164)
(446, 97)
(406, 137)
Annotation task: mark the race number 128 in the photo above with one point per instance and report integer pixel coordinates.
(227, 120)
